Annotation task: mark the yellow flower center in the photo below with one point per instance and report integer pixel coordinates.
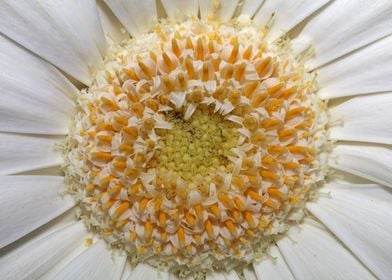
(196, 146)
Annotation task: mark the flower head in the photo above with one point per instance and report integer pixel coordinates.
(196, 139)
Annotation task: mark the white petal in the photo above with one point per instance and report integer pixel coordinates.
(364, 118)
(176, 8)
(66, 33)
(273, 267)
(371, 162)
(144, 271)
(250, 7)
(110, 24)
(333, 35)
(23, 153)
(34, 258)
(361, 217)
(249, 273)
(137, 16)
(313, 253)
(218, 10)
(35, 97)
(231, 275)
(28, 202)
(95, 263)
(365, 71)
(285, 15)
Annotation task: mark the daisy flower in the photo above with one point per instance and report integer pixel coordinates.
(195, 139)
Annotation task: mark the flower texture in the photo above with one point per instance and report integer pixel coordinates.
(184, 139)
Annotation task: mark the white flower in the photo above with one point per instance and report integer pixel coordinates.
(51, 50)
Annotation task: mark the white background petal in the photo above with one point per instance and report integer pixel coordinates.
(364, 118)
(34, 258)
(273, 267)
(287, 14)
(250, 7)
(231, 275)
(313, 253)
(144, 271)
(137, 16)
(35, 97)
(176, 8)
(360, 216)
(217, 10)
(95, 263)
(20, 153)
(110, 24)
(27, 202)
(346, 25)
(66, 33)
(371, 162)
(366, 71)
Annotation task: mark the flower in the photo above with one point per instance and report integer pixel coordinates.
(200, 148)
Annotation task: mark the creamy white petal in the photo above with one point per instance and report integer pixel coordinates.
(364, 118)
(342, 177)
(35, 97)
(249, 273)
(176, 8)
(66, 33)
(361, 217)
(144, 271)
(371, 162)
(218, 10)
(27, 202)
(273, 267)
(110, 24)
(137, 16)
(24, 152)
(347, 25)
(97, 262)
(366, 71)
(65, 260)
(34, 258)
(250, 7)
(231, 275)
(312, 252)
(285, 15)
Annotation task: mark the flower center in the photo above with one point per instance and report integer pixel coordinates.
(196, 146)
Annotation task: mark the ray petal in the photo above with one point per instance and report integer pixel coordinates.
(110, 24)
(137, 16)
(231, 275)
(95, 263)
(35, 97)
(250, 7)
(314, 253)
(273, 267)
(367, 70)
(333, 36)
(363, 118)
(285, 15)
(361, 217)
(27, 202)
(20, 153)
(371, 162)
(217, 10)
(176, 8)
(144, 271)
(34, 258)
(48, 29)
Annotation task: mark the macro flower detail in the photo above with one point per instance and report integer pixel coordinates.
(195, 139)
(194, 153)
